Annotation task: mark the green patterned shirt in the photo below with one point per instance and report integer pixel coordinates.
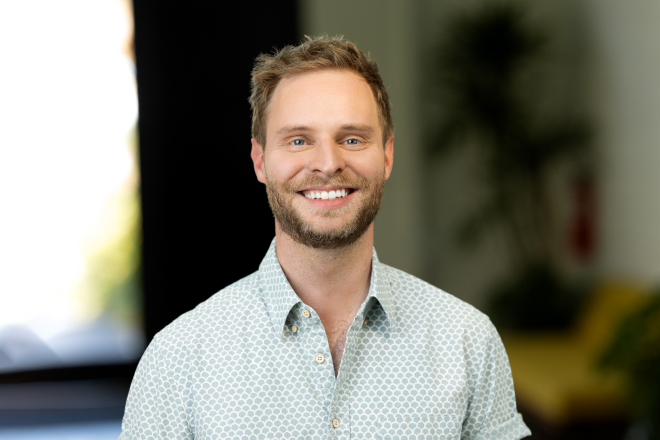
(253, 362)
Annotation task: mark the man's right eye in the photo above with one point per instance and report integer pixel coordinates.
(298, 142)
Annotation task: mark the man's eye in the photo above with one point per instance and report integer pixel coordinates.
(298, 142)
(352, 142)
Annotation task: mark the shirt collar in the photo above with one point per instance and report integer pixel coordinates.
(280, 298)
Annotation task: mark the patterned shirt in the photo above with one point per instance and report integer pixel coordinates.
(253, 362)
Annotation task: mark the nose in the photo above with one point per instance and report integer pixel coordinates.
(327, 158)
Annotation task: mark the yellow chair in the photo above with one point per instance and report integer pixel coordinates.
(556, 376)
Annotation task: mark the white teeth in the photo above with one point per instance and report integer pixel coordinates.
(327, 195)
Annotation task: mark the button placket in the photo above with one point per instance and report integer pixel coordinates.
(318, 332)
(314, 344)
(339, 408)
(339, 418)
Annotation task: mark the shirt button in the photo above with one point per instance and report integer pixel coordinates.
(335, 423)
(306, 313)
(319, 358)
(294, 329)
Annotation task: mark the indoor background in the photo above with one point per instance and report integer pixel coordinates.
(524, 183)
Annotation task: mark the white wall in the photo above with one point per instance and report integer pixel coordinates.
(624, 38)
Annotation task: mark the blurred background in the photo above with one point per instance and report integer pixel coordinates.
(525, 184)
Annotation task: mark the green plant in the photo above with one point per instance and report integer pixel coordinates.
(635, 350)
(484, 66)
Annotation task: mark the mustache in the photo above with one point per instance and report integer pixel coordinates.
(338, 180)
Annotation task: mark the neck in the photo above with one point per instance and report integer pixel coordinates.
(334, 282)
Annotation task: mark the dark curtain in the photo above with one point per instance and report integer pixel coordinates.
(206, 221)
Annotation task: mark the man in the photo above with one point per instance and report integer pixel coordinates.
(324, 341)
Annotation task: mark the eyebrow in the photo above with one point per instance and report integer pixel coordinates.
(366, 129)
(292, 129)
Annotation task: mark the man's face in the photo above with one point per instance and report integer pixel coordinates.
(324, 164)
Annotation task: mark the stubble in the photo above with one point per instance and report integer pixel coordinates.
(304, 232)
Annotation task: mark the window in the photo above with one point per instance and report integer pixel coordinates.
(69, 207)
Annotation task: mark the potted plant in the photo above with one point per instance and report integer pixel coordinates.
(635, 350)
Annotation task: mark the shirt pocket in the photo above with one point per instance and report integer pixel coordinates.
(419, 427)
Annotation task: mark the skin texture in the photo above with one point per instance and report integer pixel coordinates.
(323, 132)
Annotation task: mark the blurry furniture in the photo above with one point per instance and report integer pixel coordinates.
(556, 377)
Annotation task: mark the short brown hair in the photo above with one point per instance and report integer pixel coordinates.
(316, 53)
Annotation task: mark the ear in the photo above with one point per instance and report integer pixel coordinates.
(389, 156)
(257, 155)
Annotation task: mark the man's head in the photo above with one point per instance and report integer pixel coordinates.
(326, 159)
(315, 54)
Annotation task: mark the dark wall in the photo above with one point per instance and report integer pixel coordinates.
(206, 221)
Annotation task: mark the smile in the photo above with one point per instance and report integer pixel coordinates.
(327, 195)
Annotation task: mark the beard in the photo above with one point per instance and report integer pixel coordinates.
(280, 199)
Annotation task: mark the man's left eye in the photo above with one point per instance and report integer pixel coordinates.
(352, 142)
(298, 142)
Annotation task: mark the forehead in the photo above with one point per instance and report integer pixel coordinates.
(321, 99)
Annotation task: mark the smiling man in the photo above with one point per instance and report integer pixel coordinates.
(324, 341)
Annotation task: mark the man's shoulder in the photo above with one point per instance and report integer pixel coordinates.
(417, 298)
(239, 298)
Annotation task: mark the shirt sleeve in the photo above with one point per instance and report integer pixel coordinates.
(492, 413)
(158, 401)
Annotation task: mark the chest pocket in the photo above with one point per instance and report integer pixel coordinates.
(419, 427)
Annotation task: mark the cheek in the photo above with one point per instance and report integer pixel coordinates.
(280, 168)
(371, 166)
(277, 175)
